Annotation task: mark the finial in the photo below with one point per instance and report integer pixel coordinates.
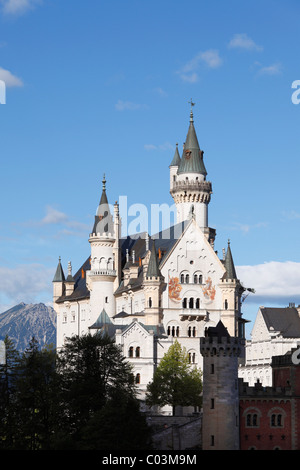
(104, 182)
(228, 241)
(69, 268)
(59, 259)
(191, 114)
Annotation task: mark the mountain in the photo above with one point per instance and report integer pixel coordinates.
(22, 322)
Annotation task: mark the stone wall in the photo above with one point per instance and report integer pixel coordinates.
(176, 432)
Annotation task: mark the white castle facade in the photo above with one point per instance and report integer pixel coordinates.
(146, 290)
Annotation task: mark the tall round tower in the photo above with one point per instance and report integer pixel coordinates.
(188, 186)
(103, 272)
(220, 353)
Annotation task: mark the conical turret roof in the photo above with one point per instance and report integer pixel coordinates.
(59, 275)
(229, 264)
(153, 269)
(103, 218)
(176, 159)
(192, 157)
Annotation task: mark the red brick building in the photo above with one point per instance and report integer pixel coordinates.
(270, 416)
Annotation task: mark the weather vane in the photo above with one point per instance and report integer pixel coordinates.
(191, 103)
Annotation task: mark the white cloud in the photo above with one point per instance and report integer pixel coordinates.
(273, 69)
(189, 72)
(164, 146)
(18, 7)
(127, 105)
(160, 92)
(25, 283)
(272, 281)
(54, 216)
(242, 41)
(9, 79)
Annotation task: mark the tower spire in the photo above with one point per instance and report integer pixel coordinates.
(103, 217)
(191, 113)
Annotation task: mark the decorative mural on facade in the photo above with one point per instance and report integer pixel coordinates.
(209, 291)
(174, 289)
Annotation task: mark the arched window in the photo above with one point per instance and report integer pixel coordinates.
(195, 279)
(182, 278)
(184, 303)
(197, 303)
(200, 278)
(177, 331)
(150, 302)
(226, 304)
(189, 331)
(138, 378)
(276, 416)
(130, 353)
(252, 417)
(187, 279)
(194, 331)
(191, 303)
(137, 351)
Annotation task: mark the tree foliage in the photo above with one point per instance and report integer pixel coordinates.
(84, 397)
(175, 382)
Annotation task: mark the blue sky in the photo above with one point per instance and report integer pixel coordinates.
(99, 87)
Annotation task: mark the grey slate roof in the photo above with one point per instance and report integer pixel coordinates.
(176, 159)
(103, 218)
(153, 269)
(229, 265)
(192, 157)
(286, 320)
(59, 274)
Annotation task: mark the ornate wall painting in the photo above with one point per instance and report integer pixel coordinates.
(209, 291)
(174, 289)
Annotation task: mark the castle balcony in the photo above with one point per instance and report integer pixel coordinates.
(102, 272)
(192, 314)
(191, 186)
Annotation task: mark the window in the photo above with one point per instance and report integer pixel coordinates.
(106, 300)
(197, 303)
(251, 420)
(138, 378)
(184, 303)
(150, 302)
(226, 304)
(187, 279)
(276, 416)
(137, 351)
(276, 421)
(191, 303)
(212, 440)
(192, 357)
(130, 352)
(182, 278)
(212, 403)
(212, 368)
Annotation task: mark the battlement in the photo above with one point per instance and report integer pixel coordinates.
(101, 237)
(220, 346)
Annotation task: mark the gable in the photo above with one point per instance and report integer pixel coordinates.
(194, 257)
(260, 330)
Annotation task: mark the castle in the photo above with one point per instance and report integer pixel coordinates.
(146, 290)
